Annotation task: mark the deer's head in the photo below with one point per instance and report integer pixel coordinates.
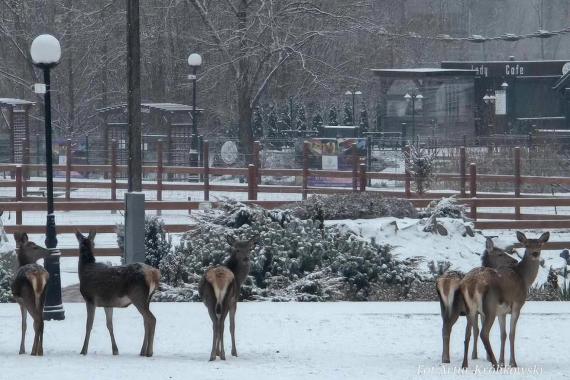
(86, 245)
(240, 248)
(28, 251)
(533, 246)
(494, 257)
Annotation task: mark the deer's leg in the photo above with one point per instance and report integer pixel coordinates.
(475, 336)
(512, 333)
(41, 317)
(448, 322)
(233, 308)
(38, 322)
(215, 324)
(221, 351)
(109, 318)
(150, 324)
(24, 327)
(489, 310)
(470, 319)
(503, 325)
(88, 326)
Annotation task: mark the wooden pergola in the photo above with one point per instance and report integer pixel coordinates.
(15, 113)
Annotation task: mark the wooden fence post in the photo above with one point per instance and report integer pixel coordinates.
(114, 172)
(304, 189)
(408, 176)
(369, 157)
(518, 181)
(256, 160)
(362, 177)
(355, 167)
(19, 189)
(251, 183)
(159, 173)
(25, 168)
(68, 170)
(473, 189)
(206, 159)
(462, 171)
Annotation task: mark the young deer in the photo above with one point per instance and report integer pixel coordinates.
(219, 289)
(29, 289)
(451, 300)
(498, 292)
(116, 286)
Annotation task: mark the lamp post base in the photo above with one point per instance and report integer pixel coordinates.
(53, 309)
(54, 313)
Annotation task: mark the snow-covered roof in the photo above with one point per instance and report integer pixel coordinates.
(164, 107)
(14, 102)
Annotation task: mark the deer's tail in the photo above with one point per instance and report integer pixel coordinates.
(38, 280)
(447, 288)
(220, 278)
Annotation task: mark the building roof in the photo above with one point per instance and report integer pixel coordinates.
(162, 107)
(14, 102)
(422, 72)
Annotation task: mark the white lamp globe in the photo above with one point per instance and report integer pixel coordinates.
(45, 50)
(195, 60)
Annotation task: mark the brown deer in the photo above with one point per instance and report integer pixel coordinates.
(451, 300)
(498, 292)
(220, 288)
(116, 286)
(29, 289)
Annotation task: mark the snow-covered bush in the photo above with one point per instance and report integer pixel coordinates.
(157, 243)
(419, 163)
(7, 268)
(444, 208)
(293, 259)
(364, 205)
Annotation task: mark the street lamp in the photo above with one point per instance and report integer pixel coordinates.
(412, 99)
(489, 100)
(195, 61)
(353, 94)
(46, 53)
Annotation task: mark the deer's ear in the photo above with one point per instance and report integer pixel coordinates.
(79, 237)
(230, 239)
(92, 235)
(521, 237)
(489, 245)
(544, 237)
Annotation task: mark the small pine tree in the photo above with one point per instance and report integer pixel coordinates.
(347, 119)
(258, 122)
(379, 114)
(364, 127)
(157, 243)
(333, 116)
(271, 129)
(317, 122)
(301, 119)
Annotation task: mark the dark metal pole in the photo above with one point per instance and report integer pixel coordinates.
(353, 110)
(53, 308)
(194, 116)
(413, 118)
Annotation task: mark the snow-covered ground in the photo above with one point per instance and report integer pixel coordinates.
(281, 341)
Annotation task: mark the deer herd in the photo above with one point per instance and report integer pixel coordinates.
(497, 288)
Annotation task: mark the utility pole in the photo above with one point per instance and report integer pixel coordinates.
(134, 199)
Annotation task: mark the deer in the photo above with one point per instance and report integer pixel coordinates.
(451, 300)
(29, 289)
(498, 292)
(115, 286)
(220, 288)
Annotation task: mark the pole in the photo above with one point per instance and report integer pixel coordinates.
(53, 308)
(353, 105)
(413, 118)
(194, 115)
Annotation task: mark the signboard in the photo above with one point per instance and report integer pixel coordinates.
(510, 68)
(333, 154)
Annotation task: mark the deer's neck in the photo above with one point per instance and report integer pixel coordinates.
(25, 258)
(239, 268)
(85, 258)
(527, 269)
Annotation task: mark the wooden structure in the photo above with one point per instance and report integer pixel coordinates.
(14, 139)
(169, 122)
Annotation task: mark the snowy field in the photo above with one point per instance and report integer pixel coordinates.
(282, 341)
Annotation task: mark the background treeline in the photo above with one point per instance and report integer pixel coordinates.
(256, 52)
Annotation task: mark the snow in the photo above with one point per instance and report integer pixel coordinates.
(279, 341)
(463, 252)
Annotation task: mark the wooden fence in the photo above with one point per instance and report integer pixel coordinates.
(467, 179)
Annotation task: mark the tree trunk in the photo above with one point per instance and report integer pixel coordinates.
(245, 131)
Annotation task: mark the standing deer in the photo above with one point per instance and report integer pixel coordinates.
(116, 286)
(29, 289)
(498, 292)
(451, 300)
(219, 289)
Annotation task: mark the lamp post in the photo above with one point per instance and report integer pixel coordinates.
(412, 99)
(353, 93)
(46, 53)
(195, 61)
(489, 100)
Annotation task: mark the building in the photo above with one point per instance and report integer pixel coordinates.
(14, 129)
